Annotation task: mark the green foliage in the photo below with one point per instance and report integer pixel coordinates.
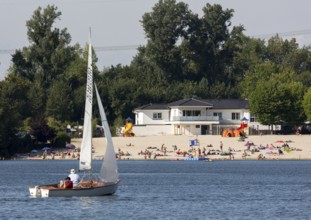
(36, 96)
(116, 128)
(59, 103)
(277, 99)
(307, 103)
(61, 139)
(13, 107)
(40, 129)
(56, 125)
(22, 143)
(260, 72)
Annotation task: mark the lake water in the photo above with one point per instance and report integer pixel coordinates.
(166, 190)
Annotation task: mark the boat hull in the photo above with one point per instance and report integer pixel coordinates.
(53, 191)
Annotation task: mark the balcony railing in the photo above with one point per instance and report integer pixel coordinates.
(195, 118)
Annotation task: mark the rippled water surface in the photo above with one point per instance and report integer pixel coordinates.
(166, 190)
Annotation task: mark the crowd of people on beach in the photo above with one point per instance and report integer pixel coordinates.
(259, 151)
(193, 150)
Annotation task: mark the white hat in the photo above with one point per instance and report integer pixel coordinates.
(72, 171)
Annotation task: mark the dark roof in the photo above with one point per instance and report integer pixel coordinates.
(228, 103)
(152, 107)
(211, 103)
(191, 102)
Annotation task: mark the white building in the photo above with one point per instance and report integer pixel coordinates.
(194, 117)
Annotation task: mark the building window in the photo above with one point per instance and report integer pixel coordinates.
(252, 118)
(235, 116)
(197, 126)
(219, 114)
(191, 113)
(157, 116)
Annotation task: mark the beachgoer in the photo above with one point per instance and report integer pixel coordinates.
(221, 146)
(75, 178)
(45, 154)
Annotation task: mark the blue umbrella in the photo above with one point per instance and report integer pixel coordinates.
(244, 119)
(129, 119)
(34, 151)
(46, 148)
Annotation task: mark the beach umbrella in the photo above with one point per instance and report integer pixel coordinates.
(244, 119)
(129, 119)
(46, 148)
(70, 146)
(34, 151)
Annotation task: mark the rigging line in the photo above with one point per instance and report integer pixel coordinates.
(97, 49)
(285, 34)
(134, 47)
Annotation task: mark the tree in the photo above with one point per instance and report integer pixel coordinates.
(164, 27)
(183, 47)
(260, 72)
(252, 54)
(306, 103)
(49, 52)
(37, 98)
(277, 100)
(46, 59)
(13, 107)
(40, 129)
(59, 104)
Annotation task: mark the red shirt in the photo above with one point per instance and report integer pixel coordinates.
(68, 185)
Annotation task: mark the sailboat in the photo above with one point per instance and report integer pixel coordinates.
(108, 179)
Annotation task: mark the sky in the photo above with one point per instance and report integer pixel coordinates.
(117, 30)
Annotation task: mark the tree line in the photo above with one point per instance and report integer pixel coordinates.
(185, 55)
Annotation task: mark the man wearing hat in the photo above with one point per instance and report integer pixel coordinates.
(75, 178)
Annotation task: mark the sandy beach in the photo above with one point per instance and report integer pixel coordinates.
(293, 147)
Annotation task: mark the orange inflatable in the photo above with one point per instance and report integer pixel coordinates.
(239, 132)
(228, 133)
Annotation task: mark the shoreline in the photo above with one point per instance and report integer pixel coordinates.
(166, 147)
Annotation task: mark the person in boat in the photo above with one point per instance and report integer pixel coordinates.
(68, 183)
(75, 178)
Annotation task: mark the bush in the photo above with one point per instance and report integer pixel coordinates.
(61, 139)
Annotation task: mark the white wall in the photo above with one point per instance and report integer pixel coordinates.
(149, 130)
(146, 117)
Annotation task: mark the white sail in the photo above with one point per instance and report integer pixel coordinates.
(109, 169)
(86, 145)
